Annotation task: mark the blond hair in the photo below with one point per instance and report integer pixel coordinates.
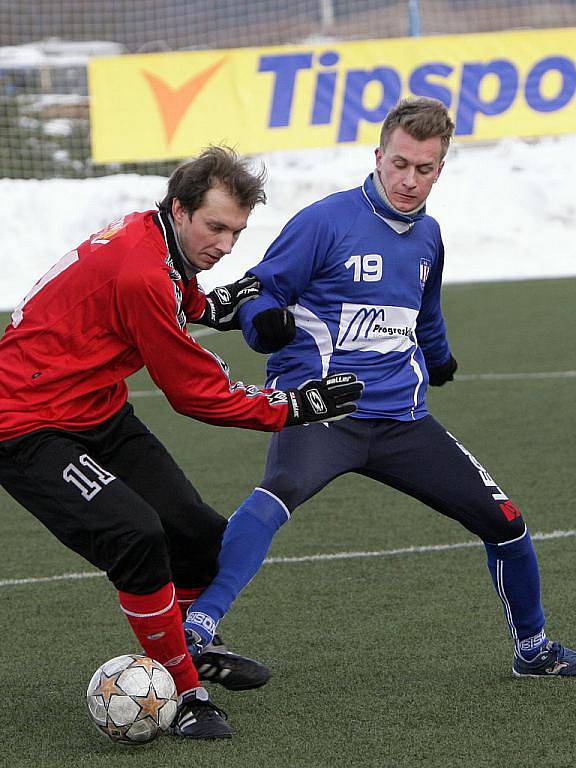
(422, 118)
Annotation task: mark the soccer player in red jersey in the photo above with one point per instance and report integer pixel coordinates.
(73, 452)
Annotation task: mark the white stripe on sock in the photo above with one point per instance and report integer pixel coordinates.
(154, 613)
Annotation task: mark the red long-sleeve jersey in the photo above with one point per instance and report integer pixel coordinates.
(119, 302)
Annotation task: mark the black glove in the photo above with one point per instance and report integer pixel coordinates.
(222, 303)
(329, 399)
(442, 373)
(275, 328)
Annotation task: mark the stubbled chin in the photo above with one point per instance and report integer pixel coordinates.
(406, 204)
(208, 264)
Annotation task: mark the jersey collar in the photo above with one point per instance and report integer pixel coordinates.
(399, 222)
(165, 224)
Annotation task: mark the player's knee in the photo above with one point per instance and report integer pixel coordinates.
(504, 524)
(284, 486)
(206, 531)
(141, 564)
(148, 538)
(194, 552)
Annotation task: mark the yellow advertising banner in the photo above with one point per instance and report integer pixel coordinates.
(171, 105)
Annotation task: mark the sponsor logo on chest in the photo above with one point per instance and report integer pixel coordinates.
(374, 328)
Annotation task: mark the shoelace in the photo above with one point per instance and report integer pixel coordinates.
(558, 649)
(553, 650)
(208, 703)
(217, 710)
(550, 649)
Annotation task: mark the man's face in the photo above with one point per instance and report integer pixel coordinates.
(408, 168)
(212, 230)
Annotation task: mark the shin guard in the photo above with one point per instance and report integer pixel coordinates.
(157, 623)
(514, 569)
(245, 543)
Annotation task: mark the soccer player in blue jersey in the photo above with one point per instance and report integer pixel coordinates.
(353, 283)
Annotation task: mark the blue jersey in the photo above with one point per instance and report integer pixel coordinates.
(363, 283)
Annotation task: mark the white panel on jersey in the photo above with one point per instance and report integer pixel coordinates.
(309, 322)
(373, 328)
(67, 260)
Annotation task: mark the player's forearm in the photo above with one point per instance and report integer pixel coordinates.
(433, 341)
(247, 314)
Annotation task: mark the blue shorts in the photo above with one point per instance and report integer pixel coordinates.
(419, 458)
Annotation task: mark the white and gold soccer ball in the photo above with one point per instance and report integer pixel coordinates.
(132, 699)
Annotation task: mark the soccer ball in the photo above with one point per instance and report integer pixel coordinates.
(132, 699)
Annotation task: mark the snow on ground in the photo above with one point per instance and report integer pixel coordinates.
(507, 211)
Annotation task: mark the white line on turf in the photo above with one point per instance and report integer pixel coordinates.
(515, 376)
(204, 332)
(543, 375)
(422, 550)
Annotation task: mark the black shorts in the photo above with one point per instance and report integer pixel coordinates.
(419, 458)
(114, 495)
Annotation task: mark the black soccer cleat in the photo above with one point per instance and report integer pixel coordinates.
(236, 673)
(198, 718)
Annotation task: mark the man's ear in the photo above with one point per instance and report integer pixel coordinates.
(178, 211)
(379, 161)
(439, 171)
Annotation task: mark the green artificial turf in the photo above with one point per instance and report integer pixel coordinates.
(399, 660)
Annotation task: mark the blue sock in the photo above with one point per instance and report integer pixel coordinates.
(514, 570)
(245, 543)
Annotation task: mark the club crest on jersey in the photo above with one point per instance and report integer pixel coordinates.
(425, 266)
(105, 235)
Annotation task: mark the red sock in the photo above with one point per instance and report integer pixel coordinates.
(156, 622)
(186, 596)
